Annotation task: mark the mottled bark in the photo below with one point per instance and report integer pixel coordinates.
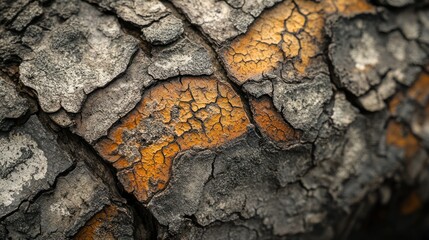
(231, 119)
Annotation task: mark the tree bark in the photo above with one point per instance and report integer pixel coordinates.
(228, 119)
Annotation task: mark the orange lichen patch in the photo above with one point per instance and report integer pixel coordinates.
(394, 103)
(99, 226)
(172, 117)
(271, 123)
(411, 204)
(399, 136)
(291, 31)
(419, 91)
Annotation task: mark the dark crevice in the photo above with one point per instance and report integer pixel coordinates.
(194, 220)
(381, 218)
(43, 191)
(135, 31)
(145, 225)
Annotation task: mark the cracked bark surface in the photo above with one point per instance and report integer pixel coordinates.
(230, 119)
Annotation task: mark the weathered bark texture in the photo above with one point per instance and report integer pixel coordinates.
(214, 119)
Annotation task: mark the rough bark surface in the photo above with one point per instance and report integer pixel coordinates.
(217, 119)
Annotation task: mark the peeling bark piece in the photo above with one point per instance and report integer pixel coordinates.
(106, 106)
(10, 47)
(75, 199)
(372, 101)
(181, 198)
(361, 56)
(172, 117)
(12, 106)
(138, 12)
(11, 8)
(65, 8)
(355, 56)
(292, 31)
(165, 31)
(62, 118)
(30, 161)
(32, 35)
(30, 12)
(353, 163)
(409, 25)
(388, 86)
(271, 123)
(259, 88)
(302, 104)
(343, 113)
(84, 53)
(217, 19)
(182, 58)
(113, 222)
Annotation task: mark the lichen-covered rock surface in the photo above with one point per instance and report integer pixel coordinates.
(218, 119)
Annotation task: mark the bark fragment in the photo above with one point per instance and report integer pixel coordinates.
(12, 105)
(29, 163)
(75, 58)
(318, 112)
(182, 58)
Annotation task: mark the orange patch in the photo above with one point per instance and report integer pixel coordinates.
(394, 103)
(94, 229)
(291, 31)
(419, 91)
(399, 136)
(271, 123)
(172, 117)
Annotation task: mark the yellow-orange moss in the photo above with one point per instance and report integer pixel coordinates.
(397, 133)
(93, 228)
(419, 91)
(291, 31)
(395, 102)
(399, 136)
(271, 123)
(172, 117)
